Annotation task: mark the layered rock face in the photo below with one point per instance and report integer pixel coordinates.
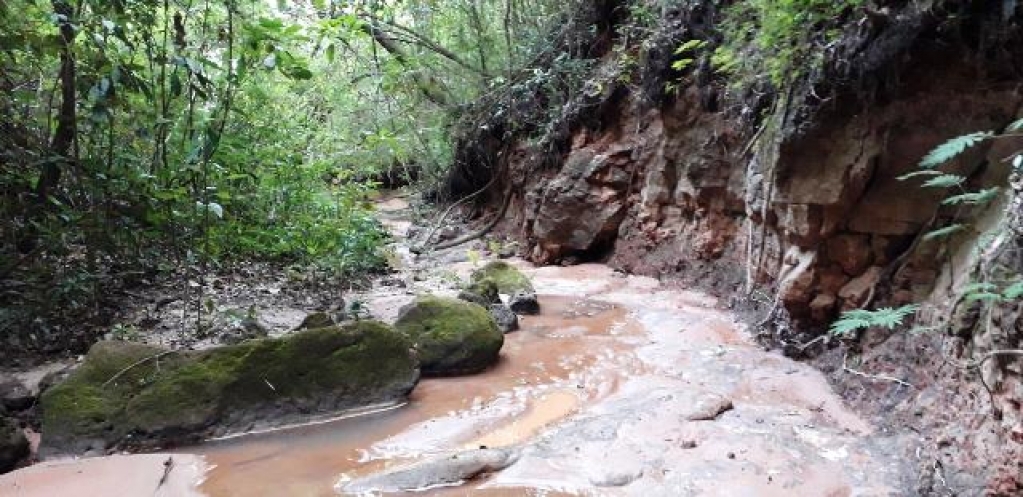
(806, 201)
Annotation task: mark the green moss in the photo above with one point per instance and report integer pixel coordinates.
(86, 403)
(503, 276)
(452, 336)
(189, 392)
(782, 39)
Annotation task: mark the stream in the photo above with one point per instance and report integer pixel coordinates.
(621, 386)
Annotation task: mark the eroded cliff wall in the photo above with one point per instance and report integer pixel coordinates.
(787, 196)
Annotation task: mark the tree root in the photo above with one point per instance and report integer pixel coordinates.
(872, 376)
(474, 235)
(421, 247)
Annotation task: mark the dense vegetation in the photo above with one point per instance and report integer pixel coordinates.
(149, 137)
(177, 138)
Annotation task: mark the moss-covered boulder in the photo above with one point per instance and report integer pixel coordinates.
(452, 336)
(508, 280)
(133, 395)
(13, 444)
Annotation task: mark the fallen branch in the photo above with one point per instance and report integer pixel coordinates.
(872, 376)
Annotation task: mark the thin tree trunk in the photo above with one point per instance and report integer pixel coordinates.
(62, 145)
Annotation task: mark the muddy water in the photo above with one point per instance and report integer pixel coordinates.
(605, 393)
(571, 356)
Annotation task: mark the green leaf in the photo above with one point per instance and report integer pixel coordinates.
(989, 296)
(921, 172)
(216, 209)
(690, 45)
(681, 64)
(1014, 291)
(1015, 126)
(944, 181)
(943, 232)
(946, 151)
(973, 198)
(978, 287)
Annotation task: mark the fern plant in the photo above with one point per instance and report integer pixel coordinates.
(885, 317)
(952, 148)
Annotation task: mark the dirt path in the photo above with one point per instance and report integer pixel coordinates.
(620, 387)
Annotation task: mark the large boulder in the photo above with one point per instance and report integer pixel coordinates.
(133, 395)
(13, 444)
(452, 336)
(509, 281)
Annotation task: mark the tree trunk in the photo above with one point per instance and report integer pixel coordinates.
(62, 145)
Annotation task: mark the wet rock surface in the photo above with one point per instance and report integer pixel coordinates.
(622, 386)
(440, 471)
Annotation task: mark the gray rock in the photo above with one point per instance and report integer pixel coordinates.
(505, 318)
(14, 395)
(446, 470)
(13, 445)
(524, 302)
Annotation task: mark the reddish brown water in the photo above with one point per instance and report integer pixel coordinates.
(548, 370)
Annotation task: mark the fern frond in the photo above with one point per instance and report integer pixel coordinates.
(890, 317)
(1014, 291)
(919, 172)
(846, 326)
(943, 232)
(886, 317)
(973, 198)
(944, 181)
(942, 153)
(978, 287)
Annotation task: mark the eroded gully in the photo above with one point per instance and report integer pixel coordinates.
(622, 386)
